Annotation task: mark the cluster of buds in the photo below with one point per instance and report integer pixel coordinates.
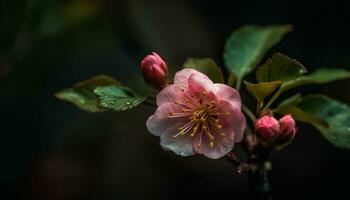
(269, 129)
(154, 70)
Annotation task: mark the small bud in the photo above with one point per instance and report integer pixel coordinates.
(267, 127)
(287, 128)
(154, 70)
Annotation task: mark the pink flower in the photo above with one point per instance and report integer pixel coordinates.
(287, 128)
(267, 127)
(154, 70)
(196, 116)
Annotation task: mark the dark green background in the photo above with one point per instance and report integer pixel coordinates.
(50, 150)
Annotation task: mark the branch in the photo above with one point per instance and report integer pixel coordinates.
(273, 98)
(238, 83)
(241, 166)
(149, 104)
(231, 80)
(249, 113)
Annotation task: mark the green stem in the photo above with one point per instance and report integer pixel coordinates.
(231, 80)
(238, 84)
(153, 96)
(273, 98)
(249, 113)
(150, 101)
(149, 104)
(258, 107)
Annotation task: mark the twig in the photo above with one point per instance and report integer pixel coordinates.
(249, 113)
(238, 84)
(231, 80)
(241, 166)
(153, 96)
(273, 98)
(149, 104)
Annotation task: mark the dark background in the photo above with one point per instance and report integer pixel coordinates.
(50, 150)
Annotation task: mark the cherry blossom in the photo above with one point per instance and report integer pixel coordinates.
(197, 116)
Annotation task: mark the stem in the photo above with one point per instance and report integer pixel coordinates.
(152, 103)
(257, 168)
(273, 98)
(241, 166)
(259, 180)
(257, 171)
(149, 104)
(260, 184)
(239, 82)
(249, 113)
(231, 80)
(258, 107)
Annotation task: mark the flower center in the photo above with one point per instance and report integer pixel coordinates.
(203, 120)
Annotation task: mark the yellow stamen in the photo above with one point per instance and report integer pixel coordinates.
(211, 144)
(204, 121)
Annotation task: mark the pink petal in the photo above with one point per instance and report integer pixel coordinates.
(181, 145)
(168, 94)
(228, 94)
(233, 126)
(199, 82)
(181, 77)
(221, 146)
(235, 122)
(160, 60)
(159, 121)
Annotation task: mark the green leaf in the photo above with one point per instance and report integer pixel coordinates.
(279, 68)
(334, 113)
(320, 76)
(301, 115)
(100, 93)
(246, 46)
(206, 66)
(262, 90)
(82, 94)
(116, 98)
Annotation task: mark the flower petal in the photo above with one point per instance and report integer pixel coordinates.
(160, 121)
(181, 145)
(199, 82)
(222, 145)
(235, 122)
(228, 93)
(168, 94)
(181, 77)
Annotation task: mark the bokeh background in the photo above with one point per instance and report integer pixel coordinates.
(50, 150)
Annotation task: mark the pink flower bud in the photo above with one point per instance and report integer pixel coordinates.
(267, 127)
(287, 128)
(154, 70)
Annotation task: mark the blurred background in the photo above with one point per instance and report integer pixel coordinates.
(50, 150)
